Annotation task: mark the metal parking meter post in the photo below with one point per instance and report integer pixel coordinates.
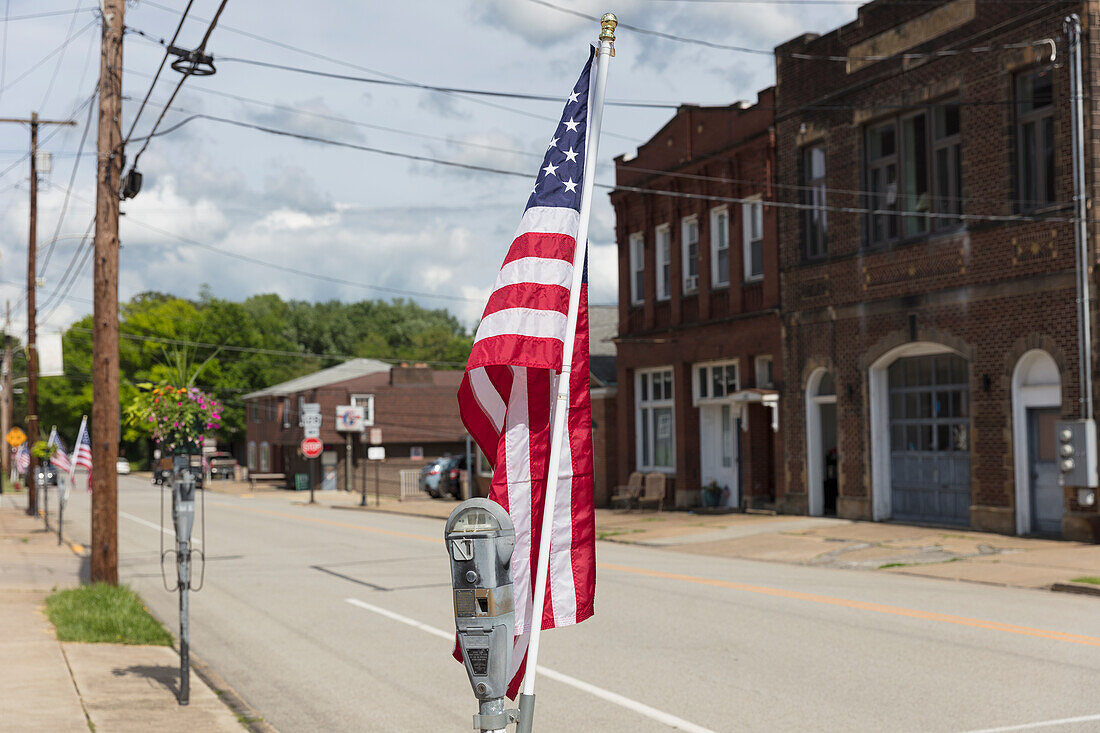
(43, 495)
(183, 517)
(60, 509)
(480, 538)
(312, 477)
(377, 491)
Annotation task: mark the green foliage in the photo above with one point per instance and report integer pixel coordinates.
(159, 333)
(42, 450)
(104, 613)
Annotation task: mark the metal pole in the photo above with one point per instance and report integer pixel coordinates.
(5, 398)
(312, 477)
(377, 497)
(60, 509)
(347, 464)
(557, 427)
(1072, 26)
(363, 481)
(469, 488)
(185, 625)
(105, 361)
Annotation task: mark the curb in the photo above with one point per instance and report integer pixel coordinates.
(373, 510)
(247, 715)
(1077, 588)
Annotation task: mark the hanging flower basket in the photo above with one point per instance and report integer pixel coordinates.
(177, 417)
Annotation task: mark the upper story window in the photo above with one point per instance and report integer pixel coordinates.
(764, 378)
(720, 246)
(286, 413)
(664, 262)
(815, 220)
(689, 231)
(913, 170)
(255, 412)
(716, 380)
(637, 268)
(366, 401)
(752, 215)
(1035, 138)
(654, 418)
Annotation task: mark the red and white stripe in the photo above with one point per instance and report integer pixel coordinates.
(506, 400)
(82, 454)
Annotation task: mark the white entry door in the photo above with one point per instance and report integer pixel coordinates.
(718, 449)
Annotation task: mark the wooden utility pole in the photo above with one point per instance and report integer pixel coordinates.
(5, 394)
(32, 286)
(105, 405)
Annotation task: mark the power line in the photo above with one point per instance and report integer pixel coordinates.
(772, 52)
(60, 58)
(358, 67)
(199, 51)
(46, 14)
(156, 76)
(45, 58)
(635, 189)
(65, 204)
(49, 136)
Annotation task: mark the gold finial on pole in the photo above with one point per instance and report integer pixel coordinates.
(608, 22)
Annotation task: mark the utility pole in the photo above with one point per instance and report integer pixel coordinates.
(32, 285)
(105, 405)
(5, 393)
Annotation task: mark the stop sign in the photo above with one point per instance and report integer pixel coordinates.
(312, 447)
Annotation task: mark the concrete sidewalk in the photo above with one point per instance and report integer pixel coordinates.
(52, 686)
(948, 553)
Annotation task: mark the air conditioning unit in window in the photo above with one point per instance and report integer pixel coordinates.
(691, 283)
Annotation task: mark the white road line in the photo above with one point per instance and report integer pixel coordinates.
(165, 530)
(642, 709)
(1040, 724)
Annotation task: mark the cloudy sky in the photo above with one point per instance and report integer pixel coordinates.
(367, 220)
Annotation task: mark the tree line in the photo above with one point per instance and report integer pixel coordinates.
(230, 348)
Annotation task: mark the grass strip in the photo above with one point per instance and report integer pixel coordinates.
(102, 613)
(1090, 579)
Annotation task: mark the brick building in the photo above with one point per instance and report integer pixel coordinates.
(414, 406)
(927, 356)
(699, 330)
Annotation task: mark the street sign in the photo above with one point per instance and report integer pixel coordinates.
(16, 437)
(351, 418)
(311, 420)
(312, 447)
(376, 436)
(376, 453)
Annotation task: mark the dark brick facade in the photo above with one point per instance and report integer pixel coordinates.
(738, 321)
(987, 291)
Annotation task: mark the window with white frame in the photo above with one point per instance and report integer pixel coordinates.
(720, 247)
(716, 380)
(367, 402)
(689, 239)
(416, 452)
(664, 262)
(764, 372)
(654, 419)
(637, 268)
(265, 457)
(752, 241)
(252, 456)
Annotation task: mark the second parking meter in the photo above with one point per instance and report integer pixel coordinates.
(480, 538)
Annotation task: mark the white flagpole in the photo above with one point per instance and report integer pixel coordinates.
(557, 426)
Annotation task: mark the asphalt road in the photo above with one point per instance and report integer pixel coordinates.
(329, 620)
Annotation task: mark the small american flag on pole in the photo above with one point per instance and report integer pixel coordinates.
(60, 458)
(82, 456)
(22, 459)
(508, 391)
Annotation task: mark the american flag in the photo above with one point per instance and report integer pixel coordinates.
(60, 458)
(22, 459)
(82, 456)
(507, 393)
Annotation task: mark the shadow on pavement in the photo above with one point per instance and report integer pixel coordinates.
(166, 677)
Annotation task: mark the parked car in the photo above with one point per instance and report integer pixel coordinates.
(122, 466)
(431, 475)
(451, 477)
(222, 466)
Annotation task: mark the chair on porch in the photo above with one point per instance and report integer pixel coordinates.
(628, 495)
(654, 491)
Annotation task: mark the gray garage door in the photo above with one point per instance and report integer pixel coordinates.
(930, 439)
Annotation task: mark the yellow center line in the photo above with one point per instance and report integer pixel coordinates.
(862, 605)
(974, 623)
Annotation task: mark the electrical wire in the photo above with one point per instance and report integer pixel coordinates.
(46, 58)
(773, 52)
(156, 76)
(4, 49)
(199, 50)
(65, 203)
(358, 67)
(46, 14)
(634, 189)
(60, 59)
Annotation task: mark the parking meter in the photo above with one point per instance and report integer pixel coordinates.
(480, 537)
